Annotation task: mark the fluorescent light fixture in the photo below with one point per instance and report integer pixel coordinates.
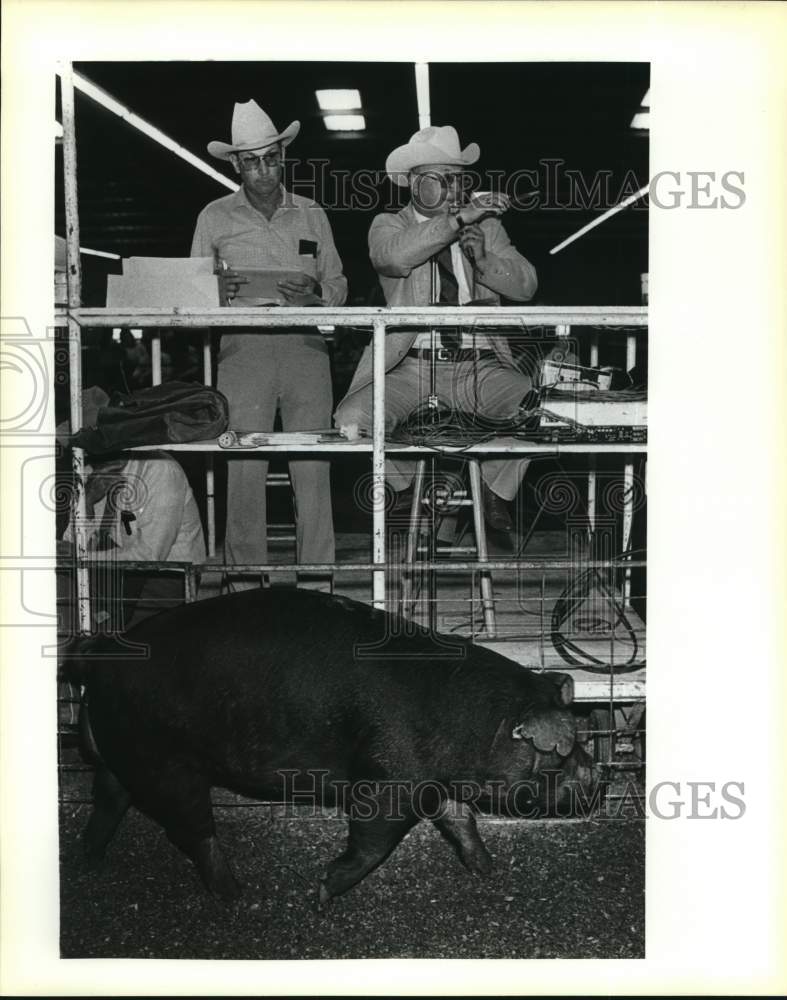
(422, 94)
(345, 123)
(641, 120)
(103, 98)
(338, 100)
(99, 253)
(646, 99)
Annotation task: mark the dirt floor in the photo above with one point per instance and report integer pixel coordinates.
(559, 889)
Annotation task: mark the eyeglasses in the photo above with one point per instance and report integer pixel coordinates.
(253, 162)
(458, 179)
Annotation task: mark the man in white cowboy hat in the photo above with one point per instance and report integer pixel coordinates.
(264, 226)
(475, 260)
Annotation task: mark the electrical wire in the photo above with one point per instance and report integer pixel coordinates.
(573, 596)
(441, 425)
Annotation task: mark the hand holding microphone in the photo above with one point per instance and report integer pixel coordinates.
(473, 243)
(481, 205)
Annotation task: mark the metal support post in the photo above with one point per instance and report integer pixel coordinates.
(155, 357)
(74, 284)
(210, 479)
(378, 461)
(631, 351)
(408, 574)
(594, 341)
(628, 518)
(431, 576)
(485, 579)
(592, 494)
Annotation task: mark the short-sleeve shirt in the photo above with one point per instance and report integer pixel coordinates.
(297, 237)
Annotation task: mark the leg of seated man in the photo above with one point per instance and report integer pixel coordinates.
(403, 394)
(493, 391)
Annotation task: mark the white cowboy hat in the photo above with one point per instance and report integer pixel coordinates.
(436, 144)
(252, 129)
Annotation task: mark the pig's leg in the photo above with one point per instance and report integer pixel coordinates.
(457, 825)
(212, 866)
(369, 843)
(110, 802)
(179, 799)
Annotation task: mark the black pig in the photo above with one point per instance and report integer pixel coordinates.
(274, 693)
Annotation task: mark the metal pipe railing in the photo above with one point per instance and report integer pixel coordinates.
(381, 320)
(378, 460)
(562, 317)
(74, 285)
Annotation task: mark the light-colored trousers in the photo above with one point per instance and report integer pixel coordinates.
(483, 387)
(259, 373)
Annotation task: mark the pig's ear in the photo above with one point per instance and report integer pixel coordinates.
(564, 688)
(548, 730)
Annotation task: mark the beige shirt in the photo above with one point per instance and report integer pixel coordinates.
(400, 248)
(297, 237)
(157, 518)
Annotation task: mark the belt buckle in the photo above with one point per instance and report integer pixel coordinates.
(444, 354)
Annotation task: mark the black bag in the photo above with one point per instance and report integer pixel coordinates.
(171, 413)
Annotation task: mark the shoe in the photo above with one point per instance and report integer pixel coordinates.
(496, 512)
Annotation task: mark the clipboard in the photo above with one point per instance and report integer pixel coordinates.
(261, 288)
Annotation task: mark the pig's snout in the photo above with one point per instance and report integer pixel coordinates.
(586, 773)
(584, 788)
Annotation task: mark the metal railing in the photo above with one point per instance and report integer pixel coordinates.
(381, 320)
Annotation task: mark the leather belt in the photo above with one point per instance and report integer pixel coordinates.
(445, 354)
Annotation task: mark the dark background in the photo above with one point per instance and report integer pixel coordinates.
(137, 198)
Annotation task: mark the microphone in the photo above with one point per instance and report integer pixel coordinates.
(458, 205)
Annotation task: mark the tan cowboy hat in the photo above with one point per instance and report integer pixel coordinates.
(436, 144)
(252, 129)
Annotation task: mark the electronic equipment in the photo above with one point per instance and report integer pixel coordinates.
(590, 409)
(593, 416)
(561, 376)
(590, 434)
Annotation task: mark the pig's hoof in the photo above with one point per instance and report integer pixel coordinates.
(94, 856)
(224, 886)
(480, 864)
(214, 870)
(227, 891)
